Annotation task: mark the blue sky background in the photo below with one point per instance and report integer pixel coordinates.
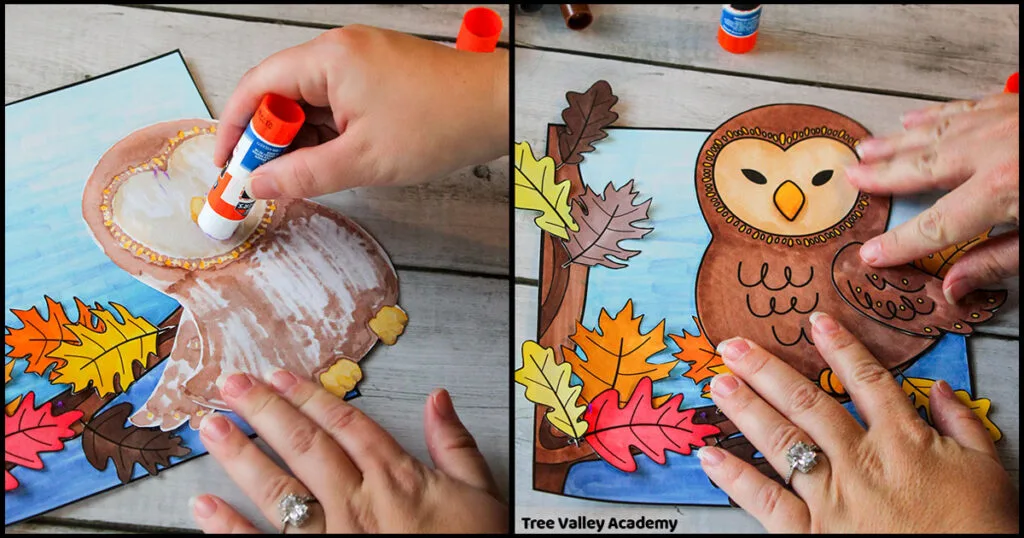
(661, 280)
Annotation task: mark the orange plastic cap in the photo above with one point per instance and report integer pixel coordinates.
(737, 45)
(480, 30)
(1012, 84)
(278, 119)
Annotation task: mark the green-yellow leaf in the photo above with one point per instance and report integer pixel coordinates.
(919, 389)
(537, 190)
(104, 355)
(547, 383)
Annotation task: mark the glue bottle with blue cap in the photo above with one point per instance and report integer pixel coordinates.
(270, 131)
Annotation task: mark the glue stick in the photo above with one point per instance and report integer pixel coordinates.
(271, 129)
(737, 31)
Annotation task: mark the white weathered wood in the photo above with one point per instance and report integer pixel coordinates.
(460, 222)
(456, 338)
(442, 20)
(939, 50)
(995, 364)
(662, 97)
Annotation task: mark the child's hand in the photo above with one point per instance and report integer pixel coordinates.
(363, 481)
(971, 149)
(382, 108)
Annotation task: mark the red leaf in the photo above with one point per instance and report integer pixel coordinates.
(30, 431)
(612, 431)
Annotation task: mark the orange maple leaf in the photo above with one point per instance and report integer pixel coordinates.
(39, 337)
(697, 351)
(616, 357)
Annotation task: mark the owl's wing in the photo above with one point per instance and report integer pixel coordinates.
(906, 298)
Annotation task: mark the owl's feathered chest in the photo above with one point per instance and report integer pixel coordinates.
(766, 295)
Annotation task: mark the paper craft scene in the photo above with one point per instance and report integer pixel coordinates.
(765, 233)
(141, 274)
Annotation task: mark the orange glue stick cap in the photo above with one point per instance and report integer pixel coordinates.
(278, 119)
(1012, 84)
(480, 30)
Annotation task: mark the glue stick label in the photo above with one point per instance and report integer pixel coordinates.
(740, 23)
(228, 197)
(272, 128)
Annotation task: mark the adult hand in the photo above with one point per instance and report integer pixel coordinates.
(969, 148)
(382, 108)
(899, 475)
(364, 481)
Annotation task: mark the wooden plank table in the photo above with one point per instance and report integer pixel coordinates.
(869, 62)
(448, 239)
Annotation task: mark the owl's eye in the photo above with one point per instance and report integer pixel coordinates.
(821, 178)
(755, 176)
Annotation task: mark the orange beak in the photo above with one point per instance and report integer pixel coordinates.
(789, 199)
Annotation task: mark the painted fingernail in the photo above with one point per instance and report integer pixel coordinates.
(711, 455)
(869, 148)
(203, 506)
(263, 186)
(236, 385)
(443, 405)
(216, 427)
(282, 380)
(824, 323)
(954, 290)
(724, 384)
(733, 348)
(870, 251)
(942, 389)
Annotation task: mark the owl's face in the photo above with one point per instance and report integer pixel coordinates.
(798, 191)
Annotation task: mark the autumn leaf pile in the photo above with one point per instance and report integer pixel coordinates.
(100, 353)
(612, 406)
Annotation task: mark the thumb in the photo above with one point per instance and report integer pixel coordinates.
(452, 447)
(954, 419)
(308, 172)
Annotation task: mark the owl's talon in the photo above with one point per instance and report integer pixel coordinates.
(389, 324)
(830, 383)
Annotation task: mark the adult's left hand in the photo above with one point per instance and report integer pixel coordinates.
(362, 479)
(898, 475)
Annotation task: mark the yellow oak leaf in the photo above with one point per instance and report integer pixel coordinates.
(616, 357)
(105, 358)
(537, 190)
(919, 389)
(389, 324)
(8, 368)
(547, 383)
(939, 263)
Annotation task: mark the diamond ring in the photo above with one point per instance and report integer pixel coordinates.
(294, 510)
(801, 457)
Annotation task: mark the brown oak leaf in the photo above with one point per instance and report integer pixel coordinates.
(585, 118)
(107, 437)
(604, 221)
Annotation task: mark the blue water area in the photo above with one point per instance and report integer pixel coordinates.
(661, 281)
(51, 144)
